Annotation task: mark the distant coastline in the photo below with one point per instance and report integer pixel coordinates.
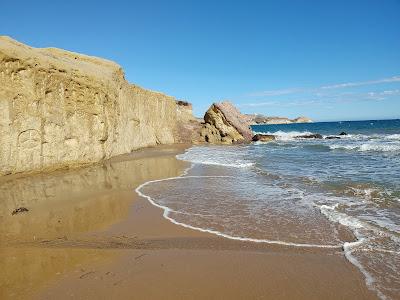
(258, 119)
(328, 121)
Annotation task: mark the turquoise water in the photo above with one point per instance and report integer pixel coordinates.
(338, 193)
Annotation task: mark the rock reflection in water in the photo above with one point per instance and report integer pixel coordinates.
(69, 202)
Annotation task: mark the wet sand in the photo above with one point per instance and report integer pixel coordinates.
(87, 235)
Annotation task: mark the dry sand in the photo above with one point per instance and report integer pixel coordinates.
(87, 235)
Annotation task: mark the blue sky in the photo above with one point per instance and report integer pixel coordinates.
(330, 60)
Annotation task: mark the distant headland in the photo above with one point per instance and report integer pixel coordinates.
(256, 119)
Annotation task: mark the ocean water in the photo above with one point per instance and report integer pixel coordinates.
(338, 193)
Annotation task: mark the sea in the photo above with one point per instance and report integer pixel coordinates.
(339, 193)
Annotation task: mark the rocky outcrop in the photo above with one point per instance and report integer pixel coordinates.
(59, 108)
(223, 123)
(271, 137)
(188, 127)
(260, 119)
(264, 138)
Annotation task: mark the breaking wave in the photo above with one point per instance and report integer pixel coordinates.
(378, 147)
(217, 156)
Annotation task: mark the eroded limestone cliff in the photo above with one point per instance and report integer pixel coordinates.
(59, 108)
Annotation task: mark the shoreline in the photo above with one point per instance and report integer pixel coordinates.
(119, 253)
(166, 211)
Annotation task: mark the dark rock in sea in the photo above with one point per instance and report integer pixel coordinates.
(310, 136)
(263, 137)
(343, 133)
(19, 210)
(333, 137)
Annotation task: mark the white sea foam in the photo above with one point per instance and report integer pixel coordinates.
(367, 193)
(286, 136)
(350, 142)
(373, 137)
(291, 135)
(217, 163)
(354, 223)
(393, 137)
(334, 216)
(377, 147)
(361, 244)
(348, 247)
(217, 156)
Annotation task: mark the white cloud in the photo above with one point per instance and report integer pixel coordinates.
(319, 90)
(269, 103)
(330, 94)
(323, 99)
(281, 104)
(393, 92)
(361, 83)
(273, 93)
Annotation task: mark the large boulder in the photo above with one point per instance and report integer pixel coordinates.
(223, 123)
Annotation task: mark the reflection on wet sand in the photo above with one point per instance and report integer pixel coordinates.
(64, 204)
(69, 202)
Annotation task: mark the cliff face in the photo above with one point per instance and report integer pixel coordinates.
(59, 108)
(188, 127)
(223, 123)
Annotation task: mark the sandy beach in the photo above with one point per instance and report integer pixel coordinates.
(88, 235)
